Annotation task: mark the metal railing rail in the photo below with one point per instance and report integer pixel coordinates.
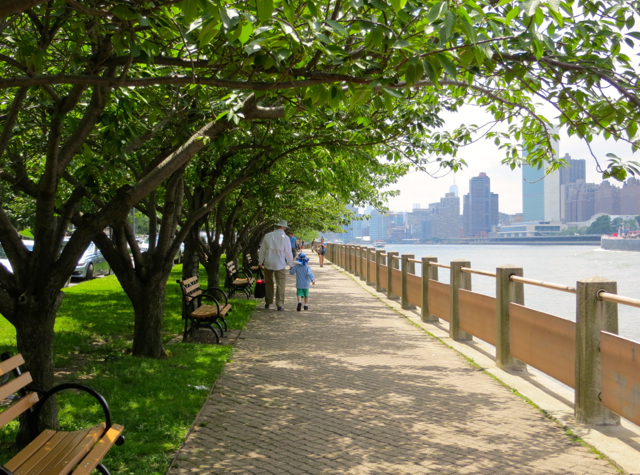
(415, 261)
(469, 270)
(397, 257)
(615, 298)
(437, 264)
(546, 285)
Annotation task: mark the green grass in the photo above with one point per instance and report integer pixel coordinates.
(156, 400)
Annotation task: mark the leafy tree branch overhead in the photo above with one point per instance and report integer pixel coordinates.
(502, 55)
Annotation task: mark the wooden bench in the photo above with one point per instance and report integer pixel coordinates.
(239, 279)
(199, 315)
(52, 452)
(254, 267)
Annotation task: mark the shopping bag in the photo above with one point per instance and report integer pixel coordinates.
(259, 291)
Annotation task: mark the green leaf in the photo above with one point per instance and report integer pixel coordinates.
(398, 5)
(125, 13)
(436, 11)
(245, 33)
(448, 65)
(337, 27)
(379, 5)
(449, 24)
(209, 31)
(512, 14)
(265, 9)
(530, 6)
(312, 9)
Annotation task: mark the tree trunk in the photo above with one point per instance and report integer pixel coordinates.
(191, 264)
(34, 335)
(212, 267)
(149, 309)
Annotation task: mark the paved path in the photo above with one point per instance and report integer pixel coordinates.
(351, 387)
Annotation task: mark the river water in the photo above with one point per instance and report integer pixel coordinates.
(557, 264)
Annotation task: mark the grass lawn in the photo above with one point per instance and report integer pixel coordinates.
(155, 400)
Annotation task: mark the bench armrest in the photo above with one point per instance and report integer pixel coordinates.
(61, 387)
(217, 294)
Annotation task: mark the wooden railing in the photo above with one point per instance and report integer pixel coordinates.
(585, 354)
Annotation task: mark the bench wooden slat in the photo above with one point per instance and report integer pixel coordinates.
(26, 453)
(27, 465)
(18, 408)
(11, 364)
(100, 450)
(80, 447)
(45, 465)
(15, 385)
(190, 280)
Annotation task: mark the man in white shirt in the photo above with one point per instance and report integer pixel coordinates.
(274, 254)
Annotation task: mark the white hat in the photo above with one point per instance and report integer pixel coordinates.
(282, 224)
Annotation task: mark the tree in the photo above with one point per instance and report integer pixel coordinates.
(85, 85)
(602, 225)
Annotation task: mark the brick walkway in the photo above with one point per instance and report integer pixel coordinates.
(351, 387)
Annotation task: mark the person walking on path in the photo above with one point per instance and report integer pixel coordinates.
(322, 250)
(294, 246)
(304, 279)
(274, 255)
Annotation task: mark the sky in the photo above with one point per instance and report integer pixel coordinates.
(484, 156)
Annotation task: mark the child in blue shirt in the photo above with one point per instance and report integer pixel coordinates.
(304, 278)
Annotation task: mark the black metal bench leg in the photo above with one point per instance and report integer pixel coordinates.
(186, 331)
(224, 322)
(220, 327)
(216, 334)
(102, 469)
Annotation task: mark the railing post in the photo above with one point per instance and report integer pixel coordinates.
(351, 263)
(407, 267)
(459, 280)
(363, 275)
(507, 292)
(592, 316)
(341, 259)
(378, 260)
(369, 274)
(391, 264)
(347, 261)
(356, 256)
(428, 272)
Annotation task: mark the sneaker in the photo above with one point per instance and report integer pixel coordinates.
(280, 309)
(299, 306)
(306, 307)
(266, 305)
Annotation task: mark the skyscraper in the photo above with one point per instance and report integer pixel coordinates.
(480, 207)
(532, 193)
(377, 226)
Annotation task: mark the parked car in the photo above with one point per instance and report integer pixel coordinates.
(91, 263)
(3, 256)
(144, 247)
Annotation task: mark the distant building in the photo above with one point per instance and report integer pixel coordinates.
(607, 199)
(574, 172)
(445, 217)
(532, 193)
(630, 197)
(577, 201)
(377, 226)
(480, 207)
(531, 229)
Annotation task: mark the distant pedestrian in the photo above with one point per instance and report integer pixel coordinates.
(322, 250)
(313, 245)
(304, 279)
(274, 255)
(294, 244)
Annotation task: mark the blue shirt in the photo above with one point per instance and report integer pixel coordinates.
(293, 242)
(304, 275)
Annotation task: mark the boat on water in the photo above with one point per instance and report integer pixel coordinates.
(378, 243)
(629, 241)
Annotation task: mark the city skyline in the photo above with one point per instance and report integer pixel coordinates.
(418, 187)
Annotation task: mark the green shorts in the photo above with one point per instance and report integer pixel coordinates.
(303, 293)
